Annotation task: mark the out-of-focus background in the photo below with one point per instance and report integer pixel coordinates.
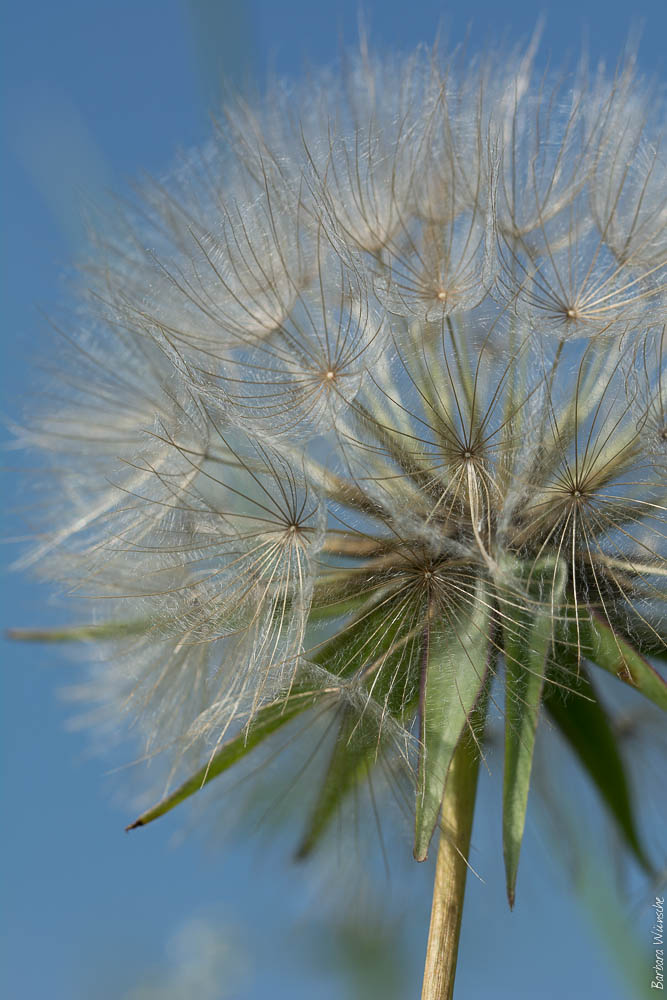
(94, 94)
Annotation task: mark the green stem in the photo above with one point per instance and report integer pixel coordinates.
(458, 807)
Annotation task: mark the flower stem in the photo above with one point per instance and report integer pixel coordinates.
(458, 807)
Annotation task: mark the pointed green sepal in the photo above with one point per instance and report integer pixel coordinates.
(265, 722)
(454, 670)
(527, 641)
(614, 653)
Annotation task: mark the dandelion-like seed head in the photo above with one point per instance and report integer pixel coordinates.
(378, 417)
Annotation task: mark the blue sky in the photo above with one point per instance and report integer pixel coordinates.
(95, 93)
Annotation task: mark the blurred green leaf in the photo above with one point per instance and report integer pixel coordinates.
(379, 644)
(353, 755)
(583, 722)
(80, 633)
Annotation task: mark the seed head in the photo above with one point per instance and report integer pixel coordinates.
(378, 414)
